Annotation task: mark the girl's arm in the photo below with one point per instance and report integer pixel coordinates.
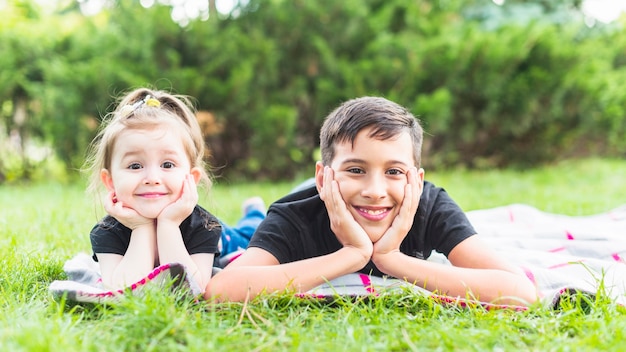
(120, 271)
(172, 250)
(477, 272)
(169, 239)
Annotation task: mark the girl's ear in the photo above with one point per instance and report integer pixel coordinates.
(107, 180)
(196, 173)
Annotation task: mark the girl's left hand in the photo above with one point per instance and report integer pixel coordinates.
(183, 206)
(125, 215)
(393, 237)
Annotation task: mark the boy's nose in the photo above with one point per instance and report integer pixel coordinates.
(375, 188)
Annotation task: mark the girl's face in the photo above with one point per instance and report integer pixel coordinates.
(148, 168)
(371, 174)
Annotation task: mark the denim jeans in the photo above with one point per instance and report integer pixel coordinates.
(237, 237)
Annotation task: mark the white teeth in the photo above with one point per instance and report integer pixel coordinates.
(373, 212)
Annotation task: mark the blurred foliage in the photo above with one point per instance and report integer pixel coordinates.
(495, 86)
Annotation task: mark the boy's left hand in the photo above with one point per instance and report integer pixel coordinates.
(393, 237)
(183, 206)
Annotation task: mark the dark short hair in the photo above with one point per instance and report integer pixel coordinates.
(386, 118)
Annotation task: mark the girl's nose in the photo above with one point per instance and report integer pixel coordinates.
(152, 176)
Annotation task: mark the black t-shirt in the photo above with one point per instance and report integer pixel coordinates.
(201, 233)
(297, 227)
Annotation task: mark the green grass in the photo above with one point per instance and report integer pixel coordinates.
(41, 226)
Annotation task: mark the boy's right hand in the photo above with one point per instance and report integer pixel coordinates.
(125, 215)
(342, 223)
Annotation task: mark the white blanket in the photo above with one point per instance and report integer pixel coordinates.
(560, 254)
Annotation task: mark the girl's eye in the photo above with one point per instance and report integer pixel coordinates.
(134, 166)
(355, 170)
(395, 172)
(168, 165)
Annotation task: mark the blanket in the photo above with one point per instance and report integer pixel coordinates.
(84, 283)
(560, 254)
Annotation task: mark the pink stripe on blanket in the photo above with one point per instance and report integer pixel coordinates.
(511, 216)
(558, 249)
(367, 283)
(569, 235)
(560, 265)
(153, 274)
(230, 260)
(530, 275)
(617, 258)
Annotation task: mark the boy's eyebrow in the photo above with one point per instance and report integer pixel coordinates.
(363, 161)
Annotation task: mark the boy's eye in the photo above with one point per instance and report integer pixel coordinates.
(355, 170)
(395, 172)
(168, 165)
(134, 166)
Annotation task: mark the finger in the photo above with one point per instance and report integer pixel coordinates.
(336, 199)
(326, 193)
(192, 188)
(415, 188)
(109, 201)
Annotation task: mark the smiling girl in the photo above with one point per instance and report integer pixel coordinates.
(149, 157)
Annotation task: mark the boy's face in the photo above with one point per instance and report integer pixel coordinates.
(147, 169)
(372, 174)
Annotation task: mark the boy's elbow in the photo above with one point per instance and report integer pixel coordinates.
(220, 289)
(530, 293)
(526, 293)
(214, 290)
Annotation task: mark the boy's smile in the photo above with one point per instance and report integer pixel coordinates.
(372, 174)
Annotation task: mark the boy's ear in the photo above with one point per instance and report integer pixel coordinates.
(196, 173)
(319, 176)
(107, 180)
(420, 178)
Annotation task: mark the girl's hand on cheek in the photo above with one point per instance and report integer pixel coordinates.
(342, 223)
(183, 206)
(125, 215)
(402, 223)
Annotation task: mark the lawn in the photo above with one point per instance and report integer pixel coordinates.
(43, 225)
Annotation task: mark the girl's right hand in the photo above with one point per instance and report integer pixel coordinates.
(125, 215)
(342, 223)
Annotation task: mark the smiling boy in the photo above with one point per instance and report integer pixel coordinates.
(370, 211)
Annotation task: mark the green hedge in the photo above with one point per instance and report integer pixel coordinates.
(516, 94)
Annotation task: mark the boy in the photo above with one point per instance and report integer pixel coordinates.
(370, 211)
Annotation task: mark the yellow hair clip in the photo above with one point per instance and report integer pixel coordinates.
(153, 102)
(128, 110)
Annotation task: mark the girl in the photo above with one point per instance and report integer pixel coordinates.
(149, 157)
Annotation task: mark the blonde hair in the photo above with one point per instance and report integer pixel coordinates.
(141, 109)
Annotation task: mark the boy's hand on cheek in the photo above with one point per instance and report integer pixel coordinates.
(399, 229)
(125, 215)
(183, 206)
(342, 223)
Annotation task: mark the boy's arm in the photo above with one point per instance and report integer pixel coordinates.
(257, 271)
(477, 272)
